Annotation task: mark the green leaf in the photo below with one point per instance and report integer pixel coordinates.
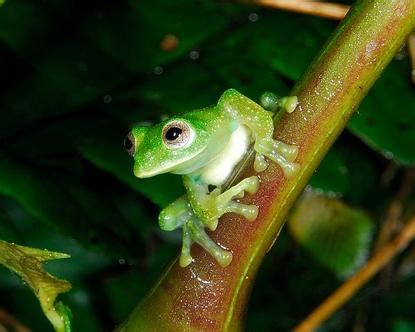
(133, 33)
(106, 152)
(63, 201)
(287, 50)
(27, 263)
(123, 290)
(349, 170)
(333, 233)
(169, 92)
(403, 325)
(386, 119)
(55, 80)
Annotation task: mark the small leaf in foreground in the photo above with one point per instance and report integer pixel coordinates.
(27, 263)
(335, 234)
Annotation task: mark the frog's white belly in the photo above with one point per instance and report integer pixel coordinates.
(219, 170)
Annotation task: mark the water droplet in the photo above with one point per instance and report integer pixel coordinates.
(388, 155)
(158, 70)
(121, 261)
(343, 170)
(253, 17)
(82, 66)
(107, 99)
(194, 55)
(400, 56)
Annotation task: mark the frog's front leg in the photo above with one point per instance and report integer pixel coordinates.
(260, 122)
(210, 206)
(180, 214)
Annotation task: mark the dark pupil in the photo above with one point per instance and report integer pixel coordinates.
(128, 144)
(173, 133)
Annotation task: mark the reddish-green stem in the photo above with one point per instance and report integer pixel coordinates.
(205, 296)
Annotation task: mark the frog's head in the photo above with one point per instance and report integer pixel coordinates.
(171, 146)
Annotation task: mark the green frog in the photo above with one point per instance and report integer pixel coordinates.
(205, 146)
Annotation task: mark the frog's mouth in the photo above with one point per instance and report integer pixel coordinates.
(186, 165)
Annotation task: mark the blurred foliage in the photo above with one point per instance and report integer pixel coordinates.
(335, 234)
(74, 78)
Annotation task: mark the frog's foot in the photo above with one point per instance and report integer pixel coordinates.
(271, 102)
(194, 231)
(180, 214)
(279, 152)
(224, 202)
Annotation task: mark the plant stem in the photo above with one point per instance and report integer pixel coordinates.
(346, 291)
(205, 296)
(411, 47)
(323, 9)
(11, 322)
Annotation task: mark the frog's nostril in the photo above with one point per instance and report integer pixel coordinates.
(129, 144)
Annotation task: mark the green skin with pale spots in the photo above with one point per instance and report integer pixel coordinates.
(205, 146)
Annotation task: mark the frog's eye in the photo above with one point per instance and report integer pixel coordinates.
(129, 144)
(177, 134)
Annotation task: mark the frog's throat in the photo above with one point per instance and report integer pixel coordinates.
(220, 169)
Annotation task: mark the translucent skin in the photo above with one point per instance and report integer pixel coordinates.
(210, 134)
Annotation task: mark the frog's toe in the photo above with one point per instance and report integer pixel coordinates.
(289, 104)
(249, 212)
(185, 256)
(260, 163)
(198, 235)
(212, 224)
(290, 169)
(185, 259)
(271, 102)
(223, 257)
(289, 152)
(252, 184)
(280, 153)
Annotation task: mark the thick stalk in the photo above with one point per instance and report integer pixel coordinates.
(205, 296)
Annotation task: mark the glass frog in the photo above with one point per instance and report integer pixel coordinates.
(205, 146)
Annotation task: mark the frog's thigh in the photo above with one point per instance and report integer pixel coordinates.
(175, 215)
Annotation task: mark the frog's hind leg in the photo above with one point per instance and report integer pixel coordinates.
(198, 234)
(179, 214)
